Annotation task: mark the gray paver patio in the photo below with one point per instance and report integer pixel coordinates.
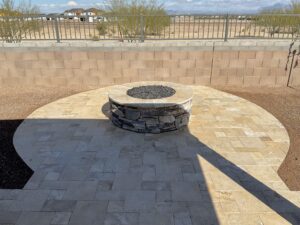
(219, 170)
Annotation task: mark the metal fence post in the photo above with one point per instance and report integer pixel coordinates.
(57, 30)
(226, 27)
(142, 37)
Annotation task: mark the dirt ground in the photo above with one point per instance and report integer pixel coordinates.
(17, 103)
(186, 28)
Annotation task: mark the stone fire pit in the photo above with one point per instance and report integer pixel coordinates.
(150, 107)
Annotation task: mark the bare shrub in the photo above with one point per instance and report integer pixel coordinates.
(134, 18)
(16, 21)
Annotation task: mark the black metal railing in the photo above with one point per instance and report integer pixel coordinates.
(145, 27)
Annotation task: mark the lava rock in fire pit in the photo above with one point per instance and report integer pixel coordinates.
(151, 92)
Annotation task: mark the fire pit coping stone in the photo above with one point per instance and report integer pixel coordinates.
(118, 94)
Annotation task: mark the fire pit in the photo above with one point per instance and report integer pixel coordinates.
(150, 107)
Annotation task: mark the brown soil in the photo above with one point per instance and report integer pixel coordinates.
(17, 103)
(284, 104)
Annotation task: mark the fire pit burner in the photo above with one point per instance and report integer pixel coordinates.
(151, 92)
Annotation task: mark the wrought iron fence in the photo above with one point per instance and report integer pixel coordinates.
(144, 27)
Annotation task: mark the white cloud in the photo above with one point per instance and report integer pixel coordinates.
(72, 3)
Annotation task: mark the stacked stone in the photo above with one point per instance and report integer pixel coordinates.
(151, 119)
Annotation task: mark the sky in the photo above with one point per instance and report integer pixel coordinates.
(186, 6)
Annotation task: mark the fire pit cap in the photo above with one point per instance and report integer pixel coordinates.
(119, 94)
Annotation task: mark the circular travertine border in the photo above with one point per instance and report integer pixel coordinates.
(221, 169)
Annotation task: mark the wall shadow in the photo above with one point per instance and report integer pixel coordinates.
(88, 149)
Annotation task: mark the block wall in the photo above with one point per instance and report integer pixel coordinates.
(95, 68)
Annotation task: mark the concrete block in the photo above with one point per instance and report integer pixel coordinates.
(67, 55)
(72, 64)
(170, 64)
(187, 80)
(79, 55)
(187, 63)
(251, 80)
(237, 63)
(162, 55)
(236, 80)
(129, 55)
(181, 55)
(162, 72)
(219, 80)
(247, 55)
(196, 55)
(145, 55)
(269, 81)
(55, 64)
(221, 63)
(252, 63)
(96, 55)
(28, 56)
(46, 55)
(202, 80)
(88, 64)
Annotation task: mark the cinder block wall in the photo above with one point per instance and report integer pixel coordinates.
(97, 67)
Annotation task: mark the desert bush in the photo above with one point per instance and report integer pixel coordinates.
(94, 38)
(15, 22)
(277, 21)
(101, 27)
(133, 17)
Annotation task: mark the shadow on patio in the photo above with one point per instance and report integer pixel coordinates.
(148, 178)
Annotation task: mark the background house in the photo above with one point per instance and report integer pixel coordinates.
(73, 13)
(92, 15)
(90, 12)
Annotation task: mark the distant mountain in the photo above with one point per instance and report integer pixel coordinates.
(209, 12)
(231, 10)
(276, 7)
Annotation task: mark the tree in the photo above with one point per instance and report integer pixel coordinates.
(136, 17)
(295, 7)
(15, 21)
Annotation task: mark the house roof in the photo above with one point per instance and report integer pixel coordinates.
(75, 10)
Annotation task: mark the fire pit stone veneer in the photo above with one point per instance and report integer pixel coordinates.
(150, 107)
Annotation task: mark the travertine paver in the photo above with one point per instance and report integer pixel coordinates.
(219, 170)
